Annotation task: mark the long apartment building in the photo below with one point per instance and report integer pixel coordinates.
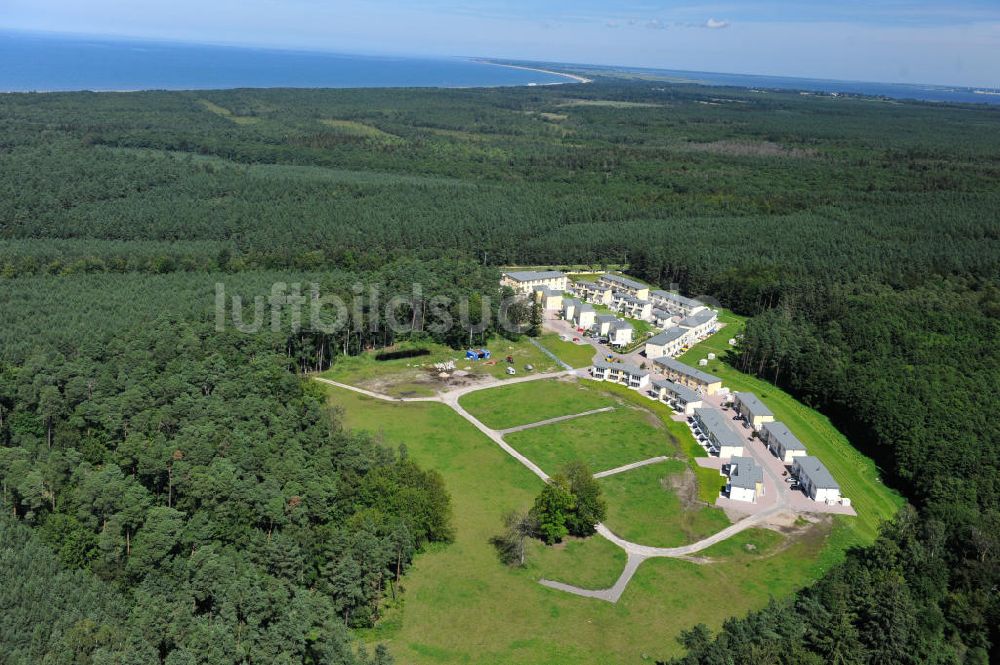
(623, 373)
(781, 442)
(593, 292)
(667, 343)
(701, 323)
(632, 306)
(625, 285)
(526, 281)
(752, 409)
(816, 481)
(676, 303)
(720, 434)
(681, 398)
(678, 372)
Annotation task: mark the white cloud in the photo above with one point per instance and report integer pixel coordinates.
(716, 24)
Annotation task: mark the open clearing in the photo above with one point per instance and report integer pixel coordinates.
(532, 402)
(416, 376)
(462, 606)
(603, 441)
(658, 505)
(227, 114)
(355, 128)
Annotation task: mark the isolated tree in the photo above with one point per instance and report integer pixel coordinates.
(590, 506)
(552, 509)
(511, 544)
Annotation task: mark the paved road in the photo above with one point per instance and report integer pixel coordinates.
(558, 419)
(629, 467)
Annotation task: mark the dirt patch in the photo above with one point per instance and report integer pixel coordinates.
(749, 149)
(685, 486)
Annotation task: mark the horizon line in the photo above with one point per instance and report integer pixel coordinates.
(489, 59)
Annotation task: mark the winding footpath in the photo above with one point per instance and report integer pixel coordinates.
(635, 552)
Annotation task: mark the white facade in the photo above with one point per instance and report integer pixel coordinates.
(681, 398)
(781, 442)
(625, 285)
(549, 300)
(584, 316)
(623, 373)
(700, 324)
(815, 480)
(667, 343)
(600, 294)
(750, 407)
(632, 307)
(746, 480)
(620, 334)
(675, 303)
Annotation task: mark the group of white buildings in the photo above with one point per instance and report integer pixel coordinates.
(684, 321)
(553, 291)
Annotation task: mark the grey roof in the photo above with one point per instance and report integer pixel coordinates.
(698, 318)
(592, 286)
(687, 370)
(624, 281)
(570, 302)
(753, 404)
(744, 473)
(532, 275)
(546, 291)
(817, 473)
(667, 336)
(584, 307)
(716, 424)
(676, 297)
(625, 367)
(621, 325)
(685, 394)
(662, 314)
(628, 297)
(779, 432)
(601, 318)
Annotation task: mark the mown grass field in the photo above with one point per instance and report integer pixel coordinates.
(574, 355)
(644, 506)
(708, 479)
(603, 440)
(461, 605)
(532, 402)
(857, 474)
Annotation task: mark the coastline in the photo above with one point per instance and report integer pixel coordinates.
(574, 77)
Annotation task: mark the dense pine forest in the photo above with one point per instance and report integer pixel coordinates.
(176, 493)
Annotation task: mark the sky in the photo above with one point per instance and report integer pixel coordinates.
(955, 42)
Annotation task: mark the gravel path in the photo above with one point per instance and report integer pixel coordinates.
(557, 419)
(629, 467)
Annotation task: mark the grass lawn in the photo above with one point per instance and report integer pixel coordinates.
(533, 401)
(574, 355)
(645, 506)
(603, 440)
(708, 479)
(460, 605)
(857, 474)
(591, 563)
(413, 377)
